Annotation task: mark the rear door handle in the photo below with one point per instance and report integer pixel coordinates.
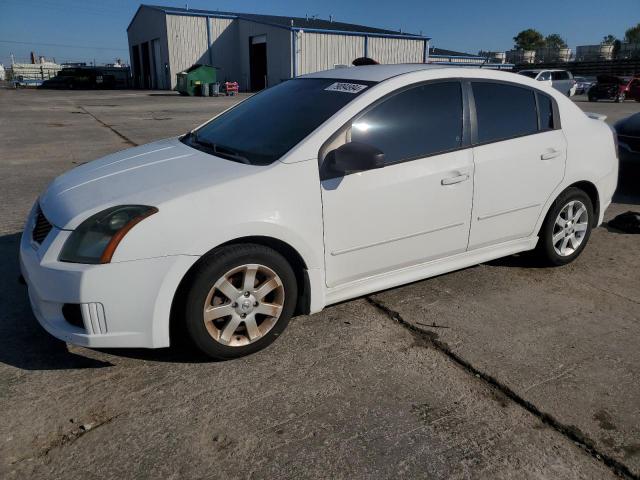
(549, 154)
(456, 179)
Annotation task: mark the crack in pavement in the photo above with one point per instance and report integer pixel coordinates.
(570, 432)
(65, 439)
(122, 136)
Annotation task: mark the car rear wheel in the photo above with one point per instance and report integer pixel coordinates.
(241, 299)
(566, 229)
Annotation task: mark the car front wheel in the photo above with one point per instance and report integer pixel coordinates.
(241, 299)
(566, 229)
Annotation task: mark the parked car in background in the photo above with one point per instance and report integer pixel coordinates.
(618, 89)
(583, 84)
(317, 190)
(628, 131)
(561, 80)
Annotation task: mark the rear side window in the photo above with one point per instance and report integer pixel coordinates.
(415, 123)
(559, 76)
(504, 111)
(545, 112)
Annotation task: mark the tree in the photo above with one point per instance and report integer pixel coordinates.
(554, 40)
(632, 35)
(608, 40)
(529, 39)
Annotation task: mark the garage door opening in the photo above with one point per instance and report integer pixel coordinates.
(258, 63)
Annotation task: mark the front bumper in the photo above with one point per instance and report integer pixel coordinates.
(125, 304)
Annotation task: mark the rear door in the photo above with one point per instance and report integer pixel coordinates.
(561, 81)
(519, 157)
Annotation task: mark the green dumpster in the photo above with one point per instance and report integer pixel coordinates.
(191, 81)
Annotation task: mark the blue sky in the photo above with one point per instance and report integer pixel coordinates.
(84, 30)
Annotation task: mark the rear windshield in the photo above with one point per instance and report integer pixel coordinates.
(529, 74)
(267, 125)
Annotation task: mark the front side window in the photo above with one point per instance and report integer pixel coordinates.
(504, 111)
(545, 76)
(415, 123)
(264, 127)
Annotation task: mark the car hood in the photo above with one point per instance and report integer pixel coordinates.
(147, 175)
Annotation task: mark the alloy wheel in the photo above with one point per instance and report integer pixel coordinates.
(570, 228)
(243, 305)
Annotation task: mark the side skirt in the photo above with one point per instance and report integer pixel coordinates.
(425, 270)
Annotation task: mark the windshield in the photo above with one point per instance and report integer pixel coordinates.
(529, 73)
(264, 127)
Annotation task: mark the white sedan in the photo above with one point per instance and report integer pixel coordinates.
(320, 189)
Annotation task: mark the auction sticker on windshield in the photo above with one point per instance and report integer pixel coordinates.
(346, 87)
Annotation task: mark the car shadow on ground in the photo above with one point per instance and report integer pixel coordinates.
(24, 344)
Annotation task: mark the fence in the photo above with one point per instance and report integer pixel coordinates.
(623, 67)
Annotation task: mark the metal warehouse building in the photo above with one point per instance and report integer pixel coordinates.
(257, 51)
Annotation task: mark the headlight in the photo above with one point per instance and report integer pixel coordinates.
(97, 238)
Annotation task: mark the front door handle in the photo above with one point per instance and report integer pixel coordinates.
(456, 179)
(549, 154)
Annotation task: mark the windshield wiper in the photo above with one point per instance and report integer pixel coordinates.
(219, 150)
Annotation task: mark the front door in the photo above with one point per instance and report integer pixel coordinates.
(417, 207)
(519, 161)
(258, 62)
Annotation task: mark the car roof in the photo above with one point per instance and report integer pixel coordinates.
(378, 73)
(543, 70)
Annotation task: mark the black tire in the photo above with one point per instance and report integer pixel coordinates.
(545, 249)
(592, 98)
(215, 266)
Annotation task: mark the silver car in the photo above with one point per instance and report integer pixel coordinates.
(561, 80)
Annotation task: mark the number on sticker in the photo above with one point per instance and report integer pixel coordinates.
(346, 87)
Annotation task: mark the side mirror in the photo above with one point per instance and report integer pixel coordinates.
(353, 157)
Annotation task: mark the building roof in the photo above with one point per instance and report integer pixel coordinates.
(449, 53)
(294, 23)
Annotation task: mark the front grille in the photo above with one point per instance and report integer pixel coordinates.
(632, 142)
(41, 228)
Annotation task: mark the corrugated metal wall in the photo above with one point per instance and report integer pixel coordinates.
(225, 48)
(183, 41)
(321, 51)
(278, 51)
(149, 25)
(395, 50)
(187, 38)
